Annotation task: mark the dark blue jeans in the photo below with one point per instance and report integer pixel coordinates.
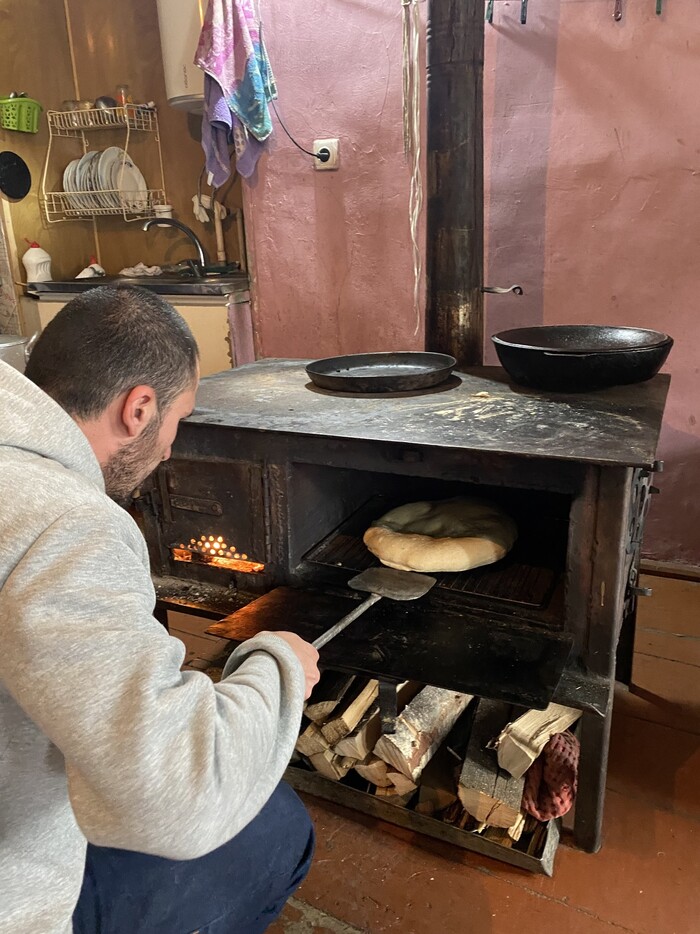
(240, 888)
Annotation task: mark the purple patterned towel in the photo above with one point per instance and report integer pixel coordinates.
(238, 85)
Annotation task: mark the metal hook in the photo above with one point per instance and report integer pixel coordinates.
(523, 12)
(489, 12)
(617, 12)
(495, 290)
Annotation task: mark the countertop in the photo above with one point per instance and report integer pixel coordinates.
(208, 287)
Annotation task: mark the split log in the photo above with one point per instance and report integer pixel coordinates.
(330, 765)
(391, 796)
(538, 838)
(498, 835)
(516, 831)
(355, 704)
(363, 740)
(403, 785)
(420, 729)
(438, 784)
(328, 693)
(458, 817)
(521, 742)
(311, 741)
(486, 791)
(374, 770)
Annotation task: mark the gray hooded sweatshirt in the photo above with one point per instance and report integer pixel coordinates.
(102, 737)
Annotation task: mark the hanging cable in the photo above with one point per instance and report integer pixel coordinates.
(323, 156)
(412, 142)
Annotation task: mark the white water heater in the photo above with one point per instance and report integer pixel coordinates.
(180, 25)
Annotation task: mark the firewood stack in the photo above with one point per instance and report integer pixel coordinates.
(450, 756)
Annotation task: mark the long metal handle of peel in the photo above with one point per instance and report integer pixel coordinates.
(345, 621)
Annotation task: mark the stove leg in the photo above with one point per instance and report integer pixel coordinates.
(594, 736)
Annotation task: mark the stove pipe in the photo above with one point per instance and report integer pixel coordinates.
(454, 322)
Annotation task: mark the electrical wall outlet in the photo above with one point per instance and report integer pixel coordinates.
(320, 147)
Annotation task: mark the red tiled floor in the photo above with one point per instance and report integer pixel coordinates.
(643, 880)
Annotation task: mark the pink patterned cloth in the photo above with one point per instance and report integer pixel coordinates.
(238, 84)
(552, 779)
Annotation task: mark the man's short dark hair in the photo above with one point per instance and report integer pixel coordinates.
(108, 340)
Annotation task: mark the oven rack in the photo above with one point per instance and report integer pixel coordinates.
(511, 581)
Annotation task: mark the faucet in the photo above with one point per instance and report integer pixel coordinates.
(198, 266)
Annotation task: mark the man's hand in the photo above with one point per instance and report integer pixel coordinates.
(307, 655)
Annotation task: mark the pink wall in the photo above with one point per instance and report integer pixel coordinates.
(330, 250)
(592, 157)
(593, 152)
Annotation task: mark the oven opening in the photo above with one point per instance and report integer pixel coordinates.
(215, 551)
(326, 540)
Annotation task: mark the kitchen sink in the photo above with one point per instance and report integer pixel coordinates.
(163, 285)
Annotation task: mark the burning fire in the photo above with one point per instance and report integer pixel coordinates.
(215, 551)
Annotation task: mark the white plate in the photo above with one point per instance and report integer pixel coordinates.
(81, 200)
(131, 185)
(97, 184)
(69, 184)
(82, 179)
(94, 182)
(105, 172)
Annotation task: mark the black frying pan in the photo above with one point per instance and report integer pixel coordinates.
(581, 358)
(381, 372)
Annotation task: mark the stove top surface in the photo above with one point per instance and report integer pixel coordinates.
(477, 410)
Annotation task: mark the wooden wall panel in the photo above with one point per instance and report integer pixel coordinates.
(120, 44)
(113, 44)
(36, 59)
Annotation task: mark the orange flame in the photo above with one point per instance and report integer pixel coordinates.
(215, 552)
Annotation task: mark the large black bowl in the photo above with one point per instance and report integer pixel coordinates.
(581, 358)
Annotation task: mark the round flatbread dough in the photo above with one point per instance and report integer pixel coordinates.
(449, 535)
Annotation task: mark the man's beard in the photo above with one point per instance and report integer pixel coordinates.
(128, 468)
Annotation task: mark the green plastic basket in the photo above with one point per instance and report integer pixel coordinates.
(19, 113)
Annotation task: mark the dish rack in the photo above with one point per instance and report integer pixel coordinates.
(95, 200)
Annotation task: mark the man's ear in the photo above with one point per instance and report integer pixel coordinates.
(139, 407)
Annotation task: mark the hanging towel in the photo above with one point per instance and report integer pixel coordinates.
(238, 84)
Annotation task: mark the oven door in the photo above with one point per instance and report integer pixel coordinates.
(201, 524)
(502, 659)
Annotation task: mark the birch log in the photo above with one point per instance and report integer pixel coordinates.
(420, 729)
